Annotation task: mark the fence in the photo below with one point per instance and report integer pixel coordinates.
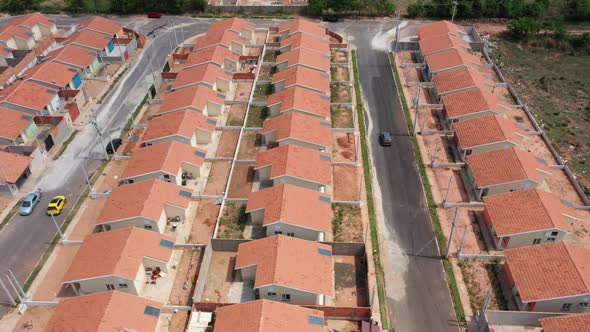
(209, 306)
(339, 46)
(226, 244)
(169, 75)
(177, 56)
(352, 313)
(334, 35)
(244, 77)
(483, 320)
(203, 272)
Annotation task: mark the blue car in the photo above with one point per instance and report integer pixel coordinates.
(29, 203)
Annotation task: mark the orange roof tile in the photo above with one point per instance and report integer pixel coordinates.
(442, 43)
(313, 43)
(13, 123)
(505, 165)
(28, 94)
(487, 130)
(10, 31)
(31, 19)
(182, 123)
(293, 205)
(289, 262)
(164, 157)
(13, 166)
(472, 101)
(145, 199)
(303, 77)
(458, 79)
(91, 39)
(301, 99)
(75, 55)
(549, 271)
(439, 28)
(300, 127)
(452, 58)
(266, 316)
(111, 311)
(526, 211)
(216, 55)
(53, 73)
(233, 24)
(119, 252)
(221, 37)
(196, 96)
(102, 25)
(305, 57)
(293, 160)
(208, 73)
(569, 323)
(305, 26)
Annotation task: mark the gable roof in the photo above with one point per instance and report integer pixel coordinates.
(505, 165)
(145, 199)
(305, 26)
(313, 43)
(166, 157)
(91, 39)
(302, 99)
(526, 211)
(442, 43)
(13, 166)
(438, 28)
(28, 94)
(305, 57)
(300, 127)
(568, 323)
(234, 24)
(119, 252)
(74, 55)
(11, 31)
(13, 123)
(487, 130)
(549, 271)
(181, 123)
(304, 77)
(102, 25)
(220, 37)
(293, 160)
(196, 96)
(32, 19)
(216, 54)
(293, 205)
(266, 316)
(289, 262)
(110, 311)
(461, 78)
(472, 101)
(452, 58)
(53, 73)
(208, 73)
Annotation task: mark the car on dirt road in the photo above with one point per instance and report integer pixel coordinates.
(29, 203)
(56, 205)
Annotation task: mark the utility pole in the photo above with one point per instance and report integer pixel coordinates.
(9, 295)
(450, 243)
(61, 234)
(444, 202)
(399, 12)
(462, 241)
(94, 123)
(86, 176)
(21, 290)
(455, 3)
(174, 29)
(182, 34)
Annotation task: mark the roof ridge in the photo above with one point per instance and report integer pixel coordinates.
(537, 194)
(520, 161)
(567, 248)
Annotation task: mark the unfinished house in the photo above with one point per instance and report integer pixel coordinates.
(198, 98)
(122, 260)
(209, 75)
(295, 165)
(217, 55)
(292, 211)
(527, 217)
(298, 129)
(287, 269)
(505, 170)
(302, 77)
(303, 57)
(299, 100)
(152, 205)
(186, 127)
(471, 104)
(549, 278)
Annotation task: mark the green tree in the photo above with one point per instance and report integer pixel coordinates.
(75, 6)
(524, 28)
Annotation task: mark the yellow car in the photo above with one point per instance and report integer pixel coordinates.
(56, 205)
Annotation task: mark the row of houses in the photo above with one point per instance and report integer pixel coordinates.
(544, 273)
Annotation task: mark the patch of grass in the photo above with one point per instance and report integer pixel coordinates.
(347, 223)
(336, 54)
(10, 214)
(432, 206)
(131, 120)
(115, 81)
(333, 73)
(369, 189)
(271, 55)
(65, 144)
(266, 72)
(256, 116)
(340, 93)
(341, 117)
(262, 91)
(233, 120)
(233, 221)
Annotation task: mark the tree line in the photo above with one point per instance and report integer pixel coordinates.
(104, 6)
(352, 7)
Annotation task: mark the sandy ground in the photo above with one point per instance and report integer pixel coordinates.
(236, 115)
(254, 51)
(350, 289)
(343, 94)
(241, 182)
(260, 37)
(342, 117)
(204, 222)
(343, 325)
(218, 176)
(343, 147)
(220, 276)
(243, 90)
(227, 143)
(339, 56)
(341, 74)
(351, 227)
(346, 183)
(249, 145)
(34, 320)
(185, 278)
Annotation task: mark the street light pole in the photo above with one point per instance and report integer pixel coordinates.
(95, 125)
(61, 234)
(455, 3)
(174, 29)
(86, 176)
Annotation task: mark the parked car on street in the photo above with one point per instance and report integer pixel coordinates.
(385, 138)
(113, 145)
(29, 203)
(154, 15)
(56, 205)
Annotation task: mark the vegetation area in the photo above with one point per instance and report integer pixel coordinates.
(104, 6)
(353, 7)
(347, 223)
(233, 221)
(256, 116)
(549, 34)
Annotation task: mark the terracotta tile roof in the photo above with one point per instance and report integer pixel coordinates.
(145, 199)
(472, 101)
(103, 25)
(301, 99)
(293, 205)
(305, 57)
(196, 96)
(13, 122)
(487, 130)
(91, 39)
(442, 43)
(300, 127)
(289, 262)
(526, 211)
(234, 24)
(207, 74)
(452, 58)
(266, 316)
(307, 41)
(569, 323)
(30, 20)
(5, 51)
(221, 37)
(296, 161)
(75, 55)
(10, 31)
(304, 77)
(505, 165)
(13, 166)
(305, 26)
(182, 123)
(111, 311)
(53, 73)
(438, 28)
(119, 252)
(462, 78)
(26, 93)
(216, 55)
(165, 157)
(549, 271)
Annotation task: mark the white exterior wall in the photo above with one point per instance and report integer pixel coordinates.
(298, 182)
(297, 297)
(96, 285)
(213, 109)
(298, 232)
(139, 222)
(523, 240)
(291, 141)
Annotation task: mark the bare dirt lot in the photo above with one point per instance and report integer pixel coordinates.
(204, 222)
(340, 73)
(343, 147)
(186, 278)
(346, 183)
(347, 223)
(236, 115)
(350, 281)
(227, 143)
(218, 176)
(339, 56)
(342, 117)
(241, 182)
(341, 93)
(243, 91)
(249, 145)
(233, 221)
(220, 276)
